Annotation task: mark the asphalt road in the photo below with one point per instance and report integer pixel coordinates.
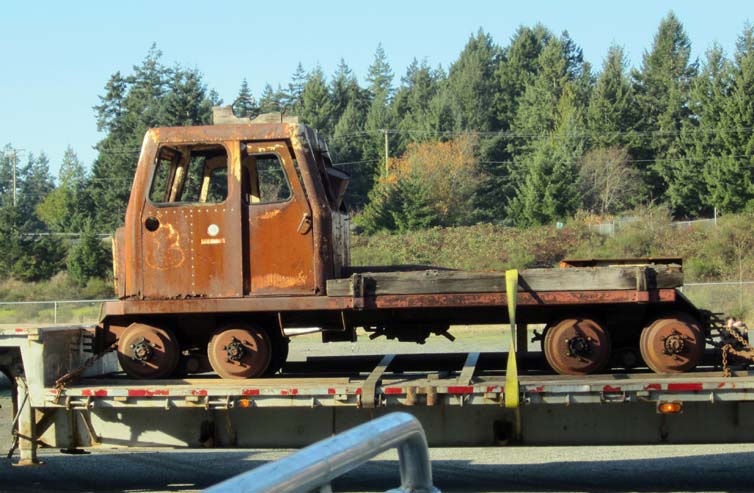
(525, 469)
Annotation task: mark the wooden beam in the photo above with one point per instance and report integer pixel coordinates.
(640, 278)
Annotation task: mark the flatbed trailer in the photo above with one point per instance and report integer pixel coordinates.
(458, 405)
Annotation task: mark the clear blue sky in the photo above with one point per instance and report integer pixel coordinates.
(57, 56)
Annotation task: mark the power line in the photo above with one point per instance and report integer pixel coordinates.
(513, 135)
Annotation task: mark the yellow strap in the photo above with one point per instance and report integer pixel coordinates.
(511, 372)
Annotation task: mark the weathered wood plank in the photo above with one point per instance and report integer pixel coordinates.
(572, 279)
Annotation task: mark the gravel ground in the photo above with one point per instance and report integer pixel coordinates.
(662, 468)
(526, 469)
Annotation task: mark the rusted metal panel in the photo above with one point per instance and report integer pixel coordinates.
(280, 233)
(191, 249)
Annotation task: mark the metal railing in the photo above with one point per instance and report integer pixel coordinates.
(314, 467)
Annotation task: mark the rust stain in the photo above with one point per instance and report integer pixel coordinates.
(280, 281)
(270, 214)
(165, 251)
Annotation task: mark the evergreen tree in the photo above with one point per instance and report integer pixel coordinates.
(471, 84)
(379, 118)
(549, 191)
(346, 145)
(41, 258)
(245, 106)
(530, 151)
(412, 103)
(88, 258)
(34, 184)
(380, 76)
(537, 110)
(729, 177)
(269, 102)
(186, 102)
(694, 177)
(293, 99)
(344, 88)
(612, 117)
(517, 68)
(316, 106)
(662, 87)
(65, 208)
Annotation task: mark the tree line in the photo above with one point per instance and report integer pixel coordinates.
(519, 134)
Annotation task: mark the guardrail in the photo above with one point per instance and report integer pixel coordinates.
(314, 467)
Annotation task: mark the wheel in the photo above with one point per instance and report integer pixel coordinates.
(279, 355)
(145, 351)
(672, 343)
(576, 346)
(240, 351)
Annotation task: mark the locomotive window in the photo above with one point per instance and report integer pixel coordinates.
(264, 179)
(190, 174)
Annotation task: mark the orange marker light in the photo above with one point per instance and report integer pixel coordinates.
(669, 407)
(244, 403)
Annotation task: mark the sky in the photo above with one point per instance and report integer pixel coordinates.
(57, 56)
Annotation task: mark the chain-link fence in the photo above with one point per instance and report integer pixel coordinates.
(731, 298)
(50, 312)
(613, 227)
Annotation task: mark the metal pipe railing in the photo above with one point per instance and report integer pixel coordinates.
(314, 467)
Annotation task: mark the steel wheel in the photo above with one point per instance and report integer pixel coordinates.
(145, 351)
(576, 346)
(240, 351)
(672, 344)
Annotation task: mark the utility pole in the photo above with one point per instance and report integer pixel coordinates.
(13, 154)
(387, 168)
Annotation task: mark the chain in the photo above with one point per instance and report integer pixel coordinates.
(747, 353)
(72, 375)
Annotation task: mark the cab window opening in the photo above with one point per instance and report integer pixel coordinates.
(264, 179)
(190, 174)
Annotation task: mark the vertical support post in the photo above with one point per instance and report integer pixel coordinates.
(27, 440)
(715, 216)
(55, 312)
(15, 161)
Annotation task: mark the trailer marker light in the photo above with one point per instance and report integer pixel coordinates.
(244, 403)
(670, 407)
